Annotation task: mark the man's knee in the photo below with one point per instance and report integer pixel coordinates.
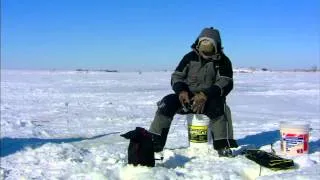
(215, 108)
(169, 105)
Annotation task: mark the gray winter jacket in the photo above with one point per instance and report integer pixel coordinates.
(213, 76)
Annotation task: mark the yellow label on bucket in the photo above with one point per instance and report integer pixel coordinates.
(198, 134)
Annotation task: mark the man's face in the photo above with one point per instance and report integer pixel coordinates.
(206, 47)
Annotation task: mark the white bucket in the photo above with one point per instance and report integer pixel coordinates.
(294, 138)
(198, 130)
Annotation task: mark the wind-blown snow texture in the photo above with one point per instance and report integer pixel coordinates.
(66, 125)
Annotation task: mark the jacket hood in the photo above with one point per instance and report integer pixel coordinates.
(212, 34)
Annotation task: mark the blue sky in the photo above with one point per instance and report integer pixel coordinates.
(149, 35)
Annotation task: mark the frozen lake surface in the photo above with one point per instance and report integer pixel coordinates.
(66, 125)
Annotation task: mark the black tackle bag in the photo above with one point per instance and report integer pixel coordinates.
(140, 150)
(269, 160)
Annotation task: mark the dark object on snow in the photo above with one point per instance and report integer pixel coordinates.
(269, 160)
(141, 147)
(225, 152)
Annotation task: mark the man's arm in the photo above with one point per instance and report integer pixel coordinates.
(178, 77)
(224, 81)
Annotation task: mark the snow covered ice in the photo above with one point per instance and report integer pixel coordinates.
(66, 125)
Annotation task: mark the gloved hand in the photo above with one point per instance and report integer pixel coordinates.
(184, 98)
(199, 101)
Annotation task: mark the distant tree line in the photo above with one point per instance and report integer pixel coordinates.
(312, 69)
(99, 70)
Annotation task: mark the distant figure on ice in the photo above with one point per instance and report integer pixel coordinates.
(201, 82)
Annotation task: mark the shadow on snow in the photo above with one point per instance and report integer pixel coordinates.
(270, 137)
(13, 145)
(261, 139)
(177, 161)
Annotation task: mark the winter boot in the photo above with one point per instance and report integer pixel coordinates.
(225, 152)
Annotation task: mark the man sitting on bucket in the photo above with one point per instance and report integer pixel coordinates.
(201, 82)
